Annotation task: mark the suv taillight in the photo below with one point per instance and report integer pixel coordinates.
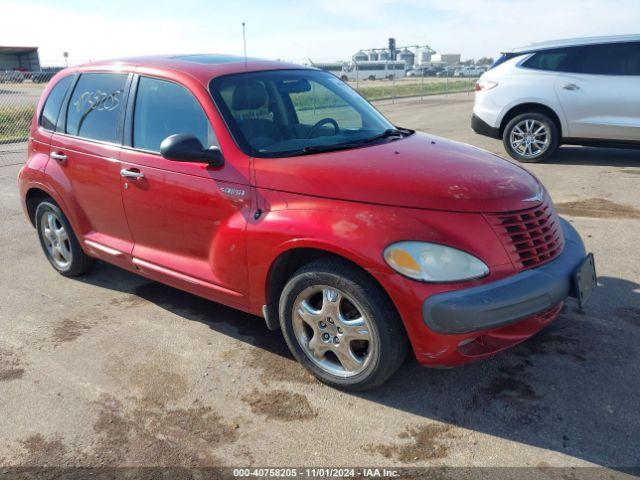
(485, 85)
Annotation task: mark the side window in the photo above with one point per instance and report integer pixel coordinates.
(551, 60)
(320, 102)
(164, 108)
(611, 59)
(96, 105)
(51, 110)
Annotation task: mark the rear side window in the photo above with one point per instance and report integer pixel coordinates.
(163, 109)
(96, 106)
(551, 60)
(503, 58)
(51, 110)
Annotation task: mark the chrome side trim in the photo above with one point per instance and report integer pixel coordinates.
(143, 265)
(103, 248)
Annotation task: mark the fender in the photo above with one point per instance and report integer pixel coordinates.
(26, 185)
(345, 229)
(540, 101)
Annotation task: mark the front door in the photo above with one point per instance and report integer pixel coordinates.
(85, 164)
(601, 100)
(187, 219)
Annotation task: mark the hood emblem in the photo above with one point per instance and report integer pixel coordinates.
(536, 198)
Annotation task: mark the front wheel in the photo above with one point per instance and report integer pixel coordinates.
(341, 326)
(530, 137)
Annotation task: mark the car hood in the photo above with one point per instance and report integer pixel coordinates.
(419, 171)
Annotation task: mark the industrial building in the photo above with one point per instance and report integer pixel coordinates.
(446, 58)
(19, 58)
(410, 55)
(390, 62)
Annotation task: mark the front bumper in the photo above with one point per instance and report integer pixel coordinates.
(510, 300)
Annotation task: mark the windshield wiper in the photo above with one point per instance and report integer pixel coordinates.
(326, 148)
(310, 150)
(389, 132)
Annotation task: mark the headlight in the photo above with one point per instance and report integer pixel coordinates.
(430, 262)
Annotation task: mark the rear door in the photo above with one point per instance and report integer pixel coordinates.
(188, 219)
(85, 163)
(600, 92)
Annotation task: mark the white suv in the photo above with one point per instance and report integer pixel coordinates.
(581, 91)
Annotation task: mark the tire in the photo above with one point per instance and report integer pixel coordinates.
(360, 309)
(549, 136)
(59, 242)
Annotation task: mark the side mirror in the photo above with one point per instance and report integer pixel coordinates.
(184, 147)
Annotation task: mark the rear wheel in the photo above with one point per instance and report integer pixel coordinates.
(530, 137)
(58, 241)
(341, 326)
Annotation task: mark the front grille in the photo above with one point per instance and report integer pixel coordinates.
(531, 237)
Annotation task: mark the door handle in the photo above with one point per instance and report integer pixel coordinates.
(125, 172)
(571, 86)
(58, 157)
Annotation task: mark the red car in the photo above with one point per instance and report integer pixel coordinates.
(277, 190)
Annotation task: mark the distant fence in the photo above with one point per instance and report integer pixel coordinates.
(19, 94)
(374, 90)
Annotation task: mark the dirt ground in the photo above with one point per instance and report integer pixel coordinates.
(111, 369)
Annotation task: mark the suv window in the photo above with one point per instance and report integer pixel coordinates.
(551, 60)
(96, 106)
(51, 110)
(611, 59)
(162, 109)
(603, 59)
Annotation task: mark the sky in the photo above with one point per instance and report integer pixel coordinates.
(320, 30)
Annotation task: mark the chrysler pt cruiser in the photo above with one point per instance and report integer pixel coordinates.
(277, 190)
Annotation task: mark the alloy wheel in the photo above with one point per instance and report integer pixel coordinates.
(56, 240)
(530, 138)
(333, 330)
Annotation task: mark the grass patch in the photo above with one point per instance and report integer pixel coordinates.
(14, 123)
(380, 92)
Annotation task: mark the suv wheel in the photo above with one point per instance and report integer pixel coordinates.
(58, 241)
(530, 137)
(341, 326)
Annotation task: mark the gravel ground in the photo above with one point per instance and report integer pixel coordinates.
(111, 369)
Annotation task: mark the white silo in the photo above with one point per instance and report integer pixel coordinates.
(424, 55)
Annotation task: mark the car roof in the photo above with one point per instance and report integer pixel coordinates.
(203, 67)
(573, 42)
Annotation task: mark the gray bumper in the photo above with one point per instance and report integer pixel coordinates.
(508, 300)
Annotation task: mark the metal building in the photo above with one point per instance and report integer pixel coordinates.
(446, 58)
(19, 58)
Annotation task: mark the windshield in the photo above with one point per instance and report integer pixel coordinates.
(292, 112)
